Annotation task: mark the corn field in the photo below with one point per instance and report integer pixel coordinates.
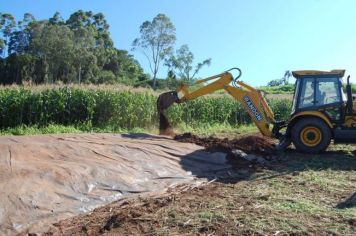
(117, 109)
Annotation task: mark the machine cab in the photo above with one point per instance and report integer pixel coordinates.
(319, 91)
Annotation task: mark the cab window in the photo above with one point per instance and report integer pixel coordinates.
(295, 95)
(319, 92)
(306, 98)
(327, 91)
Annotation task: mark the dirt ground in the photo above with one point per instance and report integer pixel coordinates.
(296, 194)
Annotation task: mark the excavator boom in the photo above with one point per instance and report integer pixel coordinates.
(250, 98)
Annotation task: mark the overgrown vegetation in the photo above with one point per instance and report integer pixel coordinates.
(97, 108)
(79, 49)
(280, 89)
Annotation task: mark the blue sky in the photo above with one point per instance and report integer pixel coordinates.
(263, 38)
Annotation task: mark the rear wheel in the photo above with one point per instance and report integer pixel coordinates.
(311, 135)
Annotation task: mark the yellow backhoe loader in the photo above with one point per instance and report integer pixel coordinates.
(320, 112)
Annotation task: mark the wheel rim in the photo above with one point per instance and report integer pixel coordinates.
(310, 136)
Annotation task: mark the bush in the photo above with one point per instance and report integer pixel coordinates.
(106, 77)
(281, 89)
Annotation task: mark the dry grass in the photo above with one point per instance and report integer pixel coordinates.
(121, 87)
(280, 96)
(103, 87)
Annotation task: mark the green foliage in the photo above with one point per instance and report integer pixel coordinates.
(76, 50)
(162, 84)
(106, 77)
(7, 24)
(353, 88)
(93, 108)
(282, 81)
(281, 89)
(156, 41)
(182, 63)
(281, 108)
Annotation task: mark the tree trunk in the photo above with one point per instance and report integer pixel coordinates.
(79, 72)
(154, 80)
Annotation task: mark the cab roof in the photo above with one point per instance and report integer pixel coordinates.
(315, 73)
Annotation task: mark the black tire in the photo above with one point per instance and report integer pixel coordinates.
(311, 135)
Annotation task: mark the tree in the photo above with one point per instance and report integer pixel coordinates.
(20, 38)
(78, 49)
(156, 41)
(282, 81)
(80, 19)
(56, 19)
(93, 44)
(7, 25)
(182, 63)
(83, 54)
(54, 45)
(286, 76)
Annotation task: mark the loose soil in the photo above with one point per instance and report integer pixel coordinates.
(165, 127)
(164, 101)
(249, 143)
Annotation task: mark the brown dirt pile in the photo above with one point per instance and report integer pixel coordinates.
(249, 144)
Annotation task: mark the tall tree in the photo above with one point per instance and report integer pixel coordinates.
(53, 44)
(7, 26)
(20, 38)
(79, 49)
(282, 81)
(156, 41)
(286, 76)
(182, 63)
(81, 19)
(56, 19)
(83, 49)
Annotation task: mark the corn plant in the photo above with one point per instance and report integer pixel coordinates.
(101, 108)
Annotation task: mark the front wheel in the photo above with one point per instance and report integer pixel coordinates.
(311, 135)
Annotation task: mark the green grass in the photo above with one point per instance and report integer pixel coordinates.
(289, 203)
(31, 130)
(216, 129)
(203, 130)
(58, 129)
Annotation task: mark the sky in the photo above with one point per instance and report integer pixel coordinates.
(262, 38)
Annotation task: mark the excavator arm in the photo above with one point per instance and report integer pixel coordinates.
(250, 98)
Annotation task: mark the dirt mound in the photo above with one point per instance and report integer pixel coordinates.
(249, 144)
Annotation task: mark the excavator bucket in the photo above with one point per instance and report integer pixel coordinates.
(164, 101)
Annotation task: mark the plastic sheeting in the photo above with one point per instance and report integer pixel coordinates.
(46, 178)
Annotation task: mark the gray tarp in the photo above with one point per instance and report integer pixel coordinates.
(45, 178)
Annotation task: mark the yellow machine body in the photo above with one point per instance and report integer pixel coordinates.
(251, 98)
(320, 112)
